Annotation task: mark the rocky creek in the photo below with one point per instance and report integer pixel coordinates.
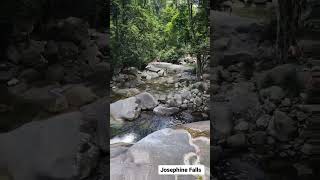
(172, 91)
(162, 107)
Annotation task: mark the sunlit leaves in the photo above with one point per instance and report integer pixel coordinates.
(144, 30)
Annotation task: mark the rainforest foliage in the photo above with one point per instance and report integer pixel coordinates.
(165, 30)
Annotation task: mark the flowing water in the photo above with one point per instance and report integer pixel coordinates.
(149, 122)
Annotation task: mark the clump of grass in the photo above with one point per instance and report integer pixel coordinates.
(116, 97)
(196, 133)
(199, 178)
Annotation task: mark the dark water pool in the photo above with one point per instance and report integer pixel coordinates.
(148, 122)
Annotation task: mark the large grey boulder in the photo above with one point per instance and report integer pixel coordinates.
(115, 123)
(125, 109)
(130, 108)
(118, 148)
(165, 111)
(149, 75)
(169, 67)
(274, 93)
(68, 50)
(244, 102)
(283, 75)
(152, 68)
(263, 121)
(90, 54)
(201, 86)
(146, 101)
(79, 95)
(46, 98)
(282, 126)
(242, 126)
(166, 146)
(32, 55)
(242, 98)
(42, 149)
(222, 43)
(186, 95)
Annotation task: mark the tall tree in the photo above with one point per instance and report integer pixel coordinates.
(145, 30)
(199, 27)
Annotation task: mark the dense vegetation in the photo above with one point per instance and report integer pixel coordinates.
(148, 30)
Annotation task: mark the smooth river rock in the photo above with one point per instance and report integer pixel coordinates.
(282, 126)
(169, 67)
(125, 109)
(165, 111)
(146, 101)
(167, 146)
(42, 149)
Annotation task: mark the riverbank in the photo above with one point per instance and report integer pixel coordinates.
(172, 92)
(162, 114)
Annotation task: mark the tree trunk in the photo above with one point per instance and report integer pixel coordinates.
(191, 20)
(201, 63)
(199, 66)
(289, 12)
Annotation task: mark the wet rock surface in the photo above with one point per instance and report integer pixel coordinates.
(145, 155)
(40, 145)
(169, 106)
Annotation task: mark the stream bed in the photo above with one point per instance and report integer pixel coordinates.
(149, 122)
